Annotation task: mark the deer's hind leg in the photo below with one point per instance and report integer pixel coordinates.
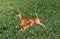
(39, 23)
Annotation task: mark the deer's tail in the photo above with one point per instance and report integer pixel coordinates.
(36, 14)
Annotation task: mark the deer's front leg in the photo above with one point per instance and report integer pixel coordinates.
(17, 25)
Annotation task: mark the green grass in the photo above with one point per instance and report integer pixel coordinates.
(47, 10)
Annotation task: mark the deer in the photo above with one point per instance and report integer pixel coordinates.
(27, 22)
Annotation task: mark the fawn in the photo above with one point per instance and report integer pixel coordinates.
(27, 22)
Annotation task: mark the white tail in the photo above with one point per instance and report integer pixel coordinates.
(36, 14)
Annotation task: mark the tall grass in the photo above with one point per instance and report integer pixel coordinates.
(48, 12)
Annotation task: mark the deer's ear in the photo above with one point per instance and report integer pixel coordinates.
(20, 12)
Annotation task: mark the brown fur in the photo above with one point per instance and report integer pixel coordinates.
(27, 22)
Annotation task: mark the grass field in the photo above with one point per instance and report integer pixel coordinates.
(47, 10)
